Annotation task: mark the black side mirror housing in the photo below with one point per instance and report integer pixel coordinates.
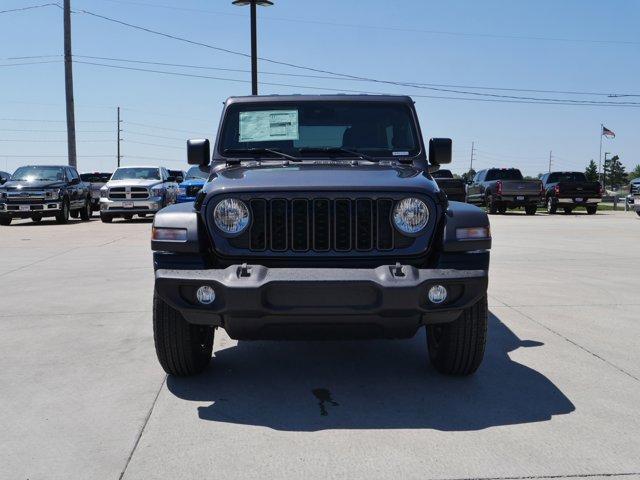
(74, 181)
(3, 180)
(440, 151)
(198, 152)
(179, 179)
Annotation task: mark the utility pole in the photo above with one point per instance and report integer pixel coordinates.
(68, 84)
(473, 145)
(119, 139)
(550, 157)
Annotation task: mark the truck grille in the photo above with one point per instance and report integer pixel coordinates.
(321, 224)
(128, 193)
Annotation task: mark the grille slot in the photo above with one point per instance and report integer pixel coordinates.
(320, 225)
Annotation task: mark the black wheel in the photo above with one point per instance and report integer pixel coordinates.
(592, 209)
(63, 216)
(551, 206)
(106, 218)
(637, 212)
(86, 212)
(457, 348)
(5, 221)
(74, 213)
(36, 219)
(182, 348)
(502, 210)
(128, 217)
(530, 209)
(491, 206)
(567, 210)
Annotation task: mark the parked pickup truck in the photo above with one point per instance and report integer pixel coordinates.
(96, 181)
(455, 188)
(568, 190)
(194, 181)
(499, 189)
(320, 220)
(36, 192)
(138, 191)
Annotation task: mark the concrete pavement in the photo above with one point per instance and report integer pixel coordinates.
(558, 394)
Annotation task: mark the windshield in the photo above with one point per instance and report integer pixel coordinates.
(567, 177)
(95, 177)
(136, 173)
(376, 129)
(31, 174)
(196, 172)
(504, 174)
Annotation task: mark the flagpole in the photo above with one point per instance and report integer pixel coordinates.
(600, 157)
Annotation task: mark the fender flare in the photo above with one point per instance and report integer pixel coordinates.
(464, 215)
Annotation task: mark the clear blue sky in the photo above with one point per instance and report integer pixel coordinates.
(568, 45)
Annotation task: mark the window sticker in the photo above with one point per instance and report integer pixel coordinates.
(269, 125)
(400, 154)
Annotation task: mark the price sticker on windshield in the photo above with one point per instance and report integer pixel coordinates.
(269, 126)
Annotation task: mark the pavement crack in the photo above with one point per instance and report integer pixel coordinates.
(144, 425)
(585, 349)
(38, 261)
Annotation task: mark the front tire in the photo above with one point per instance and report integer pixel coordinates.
(491, 206)
(5, 221)
(457, 348)
(592, 209)
(182, 348)
(567, 210)
(86, 212)
(63, 216)
(36, 219)
(106, 218)
(530, 209)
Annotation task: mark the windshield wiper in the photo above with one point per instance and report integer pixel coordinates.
(259, 150)
(329, 150)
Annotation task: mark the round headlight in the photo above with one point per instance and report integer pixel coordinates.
(410, 215)
(231, 216)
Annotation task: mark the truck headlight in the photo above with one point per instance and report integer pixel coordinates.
(104, 192)
(157, 191)
(231, 216)
(52, 194)
(410, 215)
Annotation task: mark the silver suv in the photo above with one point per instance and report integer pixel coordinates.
(138, 191)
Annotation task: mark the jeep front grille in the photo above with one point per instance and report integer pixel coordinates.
(321, 224)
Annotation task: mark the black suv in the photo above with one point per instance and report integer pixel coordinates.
(38, 191)
(320, 220)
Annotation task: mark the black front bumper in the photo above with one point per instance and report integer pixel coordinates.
(260, 302)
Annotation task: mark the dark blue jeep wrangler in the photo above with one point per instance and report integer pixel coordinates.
(320, 220)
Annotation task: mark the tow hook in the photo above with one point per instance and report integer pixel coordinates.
(396, 270)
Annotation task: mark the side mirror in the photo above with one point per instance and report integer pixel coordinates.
(179, 179)
(198, 152)
(74, 181)
(439, 151)
(3, 180)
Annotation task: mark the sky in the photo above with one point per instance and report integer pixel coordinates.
(569, 45)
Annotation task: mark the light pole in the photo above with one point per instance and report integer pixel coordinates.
(254, 39)
(604, 166)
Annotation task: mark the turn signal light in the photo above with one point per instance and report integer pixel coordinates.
(473, 233)
(169, 234)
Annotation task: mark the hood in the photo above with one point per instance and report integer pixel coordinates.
(194, 182)
(328, 176)
(35, 185)
(132, 183)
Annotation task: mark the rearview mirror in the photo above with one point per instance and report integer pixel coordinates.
(440, 151)
(198, 152)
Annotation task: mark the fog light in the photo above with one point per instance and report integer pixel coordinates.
(206, 295)
(437, 294)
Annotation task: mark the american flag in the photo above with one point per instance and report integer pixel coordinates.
(608, 133)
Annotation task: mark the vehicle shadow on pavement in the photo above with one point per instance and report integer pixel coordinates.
(310, 386)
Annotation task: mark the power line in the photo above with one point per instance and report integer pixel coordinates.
(153, 136)
(49, 131)
(388, 27)
(29, 140)
(318, 70)
(160, 128)
(328, 77)
(154, 145)
(32, 7)
(9, 155)
(42, 120)
(500, 100)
